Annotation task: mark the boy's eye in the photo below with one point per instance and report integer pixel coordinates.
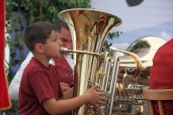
(64, 40)
(55, 39)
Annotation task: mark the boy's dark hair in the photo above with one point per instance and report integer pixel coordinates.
(61, 24)
(38, 32)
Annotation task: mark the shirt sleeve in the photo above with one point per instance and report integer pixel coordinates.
(15, 83)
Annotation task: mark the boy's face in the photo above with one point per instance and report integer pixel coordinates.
(66, 38)
(52, 46)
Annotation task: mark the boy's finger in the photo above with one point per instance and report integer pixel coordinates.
(102, 102)
(94, 87)
(102, 94)
(98, 107)
(103, 98)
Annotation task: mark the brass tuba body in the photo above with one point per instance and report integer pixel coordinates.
(89, 29)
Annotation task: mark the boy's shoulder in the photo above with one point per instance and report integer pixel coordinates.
(34, 65)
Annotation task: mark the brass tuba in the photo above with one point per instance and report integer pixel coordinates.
(129, 97)
(89, 29)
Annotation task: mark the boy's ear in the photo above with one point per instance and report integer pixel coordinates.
(39, 48)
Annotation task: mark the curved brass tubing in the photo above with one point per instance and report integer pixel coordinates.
(98, 56)
(136, 59)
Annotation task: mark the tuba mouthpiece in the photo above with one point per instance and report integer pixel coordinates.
(64, 50)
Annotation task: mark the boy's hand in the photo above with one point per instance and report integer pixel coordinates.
(96, 98)
(64, 86)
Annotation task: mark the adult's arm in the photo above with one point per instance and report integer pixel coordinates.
(15, 83)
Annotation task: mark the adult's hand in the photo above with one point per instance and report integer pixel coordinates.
(64, 86)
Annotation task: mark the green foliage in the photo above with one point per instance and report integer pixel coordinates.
(110, 36)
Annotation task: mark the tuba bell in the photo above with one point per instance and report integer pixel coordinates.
(89, 29)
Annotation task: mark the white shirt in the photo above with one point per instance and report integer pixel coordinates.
(70, 60)
(15, 83)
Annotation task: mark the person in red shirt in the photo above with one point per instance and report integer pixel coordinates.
(64, 65)
(161, 76)
(65, 71)
(40, 92)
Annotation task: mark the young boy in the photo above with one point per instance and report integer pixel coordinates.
(40, 92)
(63, 65)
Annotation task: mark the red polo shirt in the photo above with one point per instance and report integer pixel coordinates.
(161, 76)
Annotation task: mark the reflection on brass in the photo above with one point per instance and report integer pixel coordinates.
(146, 52)
(129, 98)
(89, 28)
(128, 93)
